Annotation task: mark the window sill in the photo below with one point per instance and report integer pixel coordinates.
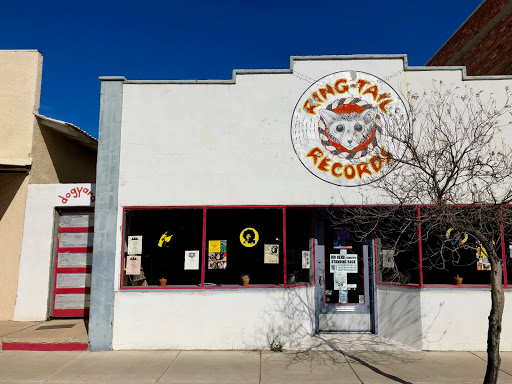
(212, 286)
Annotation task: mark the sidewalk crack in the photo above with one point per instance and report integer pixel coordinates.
(505, 372)
(352, 368)
(169, 366)
(67, 365)
(260, 369)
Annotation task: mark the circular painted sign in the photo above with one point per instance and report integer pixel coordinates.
(249, 237)
(340, 128)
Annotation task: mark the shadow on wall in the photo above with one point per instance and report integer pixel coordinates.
(400, 315)
(290, 317)
(10, 183)
(73, 163)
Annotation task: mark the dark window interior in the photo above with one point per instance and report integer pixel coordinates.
(228, 224)
(299, 236)
(186, 228)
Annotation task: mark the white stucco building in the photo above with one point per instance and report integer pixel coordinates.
(201, 182)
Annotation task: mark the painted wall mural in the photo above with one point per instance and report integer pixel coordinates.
(341, 124)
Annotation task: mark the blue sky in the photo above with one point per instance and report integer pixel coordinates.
(160, 40)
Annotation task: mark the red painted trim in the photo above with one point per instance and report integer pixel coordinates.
(420, 246)
(75, 270)
(284, 249)
(203, 252)
(70, 312)
(45, 347)
(142, 288)
(300, 285)
(72, 290)
(121, 273)
(210, 207)
(400, 285)
(503, 255)
(75, 249)
(453, 286)
(56, 263)
(76, 230)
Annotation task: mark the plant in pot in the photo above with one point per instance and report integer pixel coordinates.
(245, 279)
(458, 280)
(163, 282)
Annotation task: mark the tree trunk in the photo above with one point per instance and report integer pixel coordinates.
(495, 318)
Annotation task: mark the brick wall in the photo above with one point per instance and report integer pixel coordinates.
(483, 43)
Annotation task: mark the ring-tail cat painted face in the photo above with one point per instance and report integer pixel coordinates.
(348, 129)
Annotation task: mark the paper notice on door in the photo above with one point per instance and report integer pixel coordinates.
(343, 296)
(340, 281)
(343, 263)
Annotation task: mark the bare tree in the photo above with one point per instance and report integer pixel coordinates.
(454, 170)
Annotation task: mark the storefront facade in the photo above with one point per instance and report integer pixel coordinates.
(201, 183)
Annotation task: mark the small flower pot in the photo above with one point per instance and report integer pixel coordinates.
(245, 282)
(458, 280)
(163, 282)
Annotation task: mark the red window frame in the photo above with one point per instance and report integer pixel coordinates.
(203, 256)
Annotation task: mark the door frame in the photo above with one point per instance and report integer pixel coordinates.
(369, 308)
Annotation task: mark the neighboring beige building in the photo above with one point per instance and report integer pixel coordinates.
(34, 149)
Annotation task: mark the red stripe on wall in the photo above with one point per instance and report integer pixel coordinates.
(72, 290)
(76, 229)
(70, 312)
(75, 249)
(44, 347)
(75, 270)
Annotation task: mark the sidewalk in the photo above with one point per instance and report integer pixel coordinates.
(312, 366)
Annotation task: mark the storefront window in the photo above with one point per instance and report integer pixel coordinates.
(397, 247)
(299, 246)
(163, 244)
(217, 247)
(448, 253)
(244, 242)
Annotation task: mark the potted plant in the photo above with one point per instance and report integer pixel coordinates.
(245, 279)
(163, 282)
(458, 280)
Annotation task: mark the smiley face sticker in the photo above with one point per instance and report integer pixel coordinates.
(249, 237)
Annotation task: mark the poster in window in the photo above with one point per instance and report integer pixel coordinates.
(217, 260)
(343, 263)
(482, 260)
(306, 262)
(165, 239)
(134, 245)
(388, 258)
(342, 239)
(214, 246)
(133, 265)
(271, 254)
(249, 237)
(191, 260)
(343, 296)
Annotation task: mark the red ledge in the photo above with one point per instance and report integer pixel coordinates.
(44, 347)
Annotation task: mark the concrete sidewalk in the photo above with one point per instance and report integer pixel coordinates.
(311, 366)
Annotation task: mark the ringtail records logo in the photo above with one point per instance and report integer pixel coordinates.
(342, 128)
